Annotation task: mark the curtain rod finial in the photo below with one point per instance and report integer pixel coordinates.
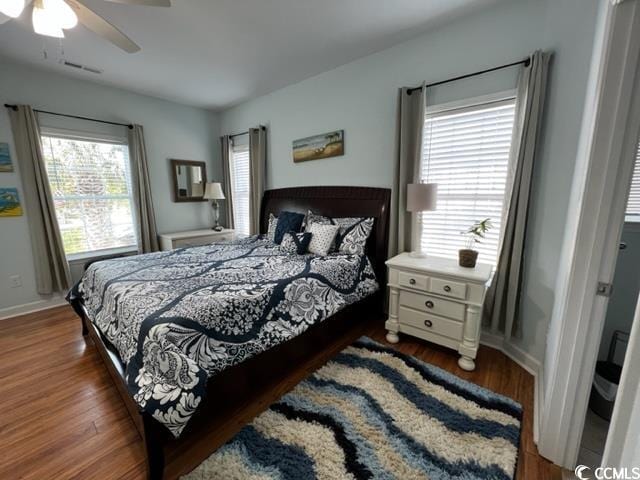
(12, 107)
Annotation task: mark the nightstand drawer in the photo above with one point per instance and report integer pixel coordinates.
(194, 242)
(431, 323)
(447, 288)
(188, 242)
(429, 304)
(413, 280)
(182, 244)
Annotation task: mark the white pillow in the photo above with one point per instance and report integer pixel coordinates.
(322, 237)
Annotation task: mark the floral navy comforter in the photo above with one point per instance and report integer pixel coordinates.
(178, 318)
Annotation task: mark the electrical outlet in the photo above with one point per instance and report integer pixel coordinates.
(16, 281)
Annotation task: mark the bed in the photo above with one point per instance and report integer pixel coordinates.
(178, 329)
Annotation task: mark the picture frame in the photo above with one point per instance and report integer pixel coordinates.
(10, 205)
(316, 147)
(6, 164)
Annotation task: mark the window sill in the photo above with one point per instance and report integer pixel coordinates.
(83, 257)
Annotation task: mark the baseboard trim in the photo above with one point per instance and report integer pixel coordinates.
(530, 364)
(37, 306)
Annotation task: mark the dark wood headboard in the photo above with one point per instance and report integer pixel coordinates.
(338, 202)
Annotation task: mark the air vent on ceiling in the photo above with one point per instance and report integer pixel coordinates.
(79, 66)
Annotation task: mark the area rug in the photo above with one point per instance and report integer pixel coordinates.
(372, 412)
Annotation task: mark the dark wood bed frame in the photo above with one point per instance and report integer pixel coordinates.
(241, 380)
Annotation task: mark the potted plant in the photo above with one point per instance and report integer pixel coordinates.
(467, 256)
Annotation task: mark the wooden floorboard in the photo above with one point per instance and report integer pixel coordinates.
(61, 417)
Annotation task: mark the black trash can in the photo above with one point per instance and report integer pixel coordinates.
(605, 388)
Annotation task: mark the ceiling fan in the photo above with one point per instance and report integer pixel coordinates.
(52, 17)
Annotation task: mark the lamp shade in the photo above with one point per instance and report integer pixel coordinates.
(421, 196)
(213, 191)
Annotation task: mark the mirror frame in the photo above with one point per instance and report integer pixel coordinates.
(175, 163)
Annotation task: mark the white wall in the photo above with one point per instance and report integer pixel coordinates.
(171, 131)
(361, 98)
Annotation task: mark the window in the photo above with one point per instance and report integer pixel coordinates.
(633, 203)
(91, 187)
(240, 185)
(466, 152)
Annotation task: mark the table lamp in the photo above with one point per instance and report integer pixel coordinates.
(213, 191)
(421, 197)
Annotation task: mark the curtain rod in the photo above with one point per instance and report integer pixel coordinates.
(524, 62)
(128, 125)
(239, 134)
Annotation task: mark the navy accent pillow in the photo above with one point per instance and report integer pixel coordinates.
(293, 242)
(287, 222)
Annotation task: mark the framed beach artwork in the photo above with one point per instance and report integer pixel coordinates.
(10, 203)
(5, 158)
(316, 147)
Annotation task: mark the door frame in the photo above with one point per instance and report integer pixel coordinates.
(611, 122)
(623, 442)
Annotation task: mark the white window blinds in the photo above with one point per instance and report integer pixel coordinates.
(240, 185)
(466, 152)
(91, 187)
(633, 203)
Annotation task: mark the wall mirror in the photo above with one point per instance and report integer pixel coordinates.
(189, 180)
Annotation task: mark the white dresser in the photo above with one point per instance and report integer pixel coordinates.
(193, 238)
(435, 299)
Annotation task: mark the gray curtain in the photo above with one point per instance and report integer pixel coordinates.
(257, 175)
(145, 216)
(51, 266)
(226, 144)
(410, 126)
(503, 296)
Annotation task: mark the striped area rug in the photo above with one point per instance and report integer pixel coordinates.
(372, 412)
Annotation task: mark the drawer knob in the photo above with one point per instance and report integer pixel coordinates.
(412, 281)
(429, 304)
(428, 323)
(446, 288)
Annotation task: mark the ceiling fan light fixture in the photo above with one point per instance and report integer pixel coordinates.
(11, 8)
(65, 17)
(44, 23)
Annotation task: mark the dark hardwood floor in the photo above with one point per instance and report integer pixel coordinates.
(61, 417)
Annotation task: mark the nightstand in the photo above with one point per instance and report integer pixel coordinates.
(194, 238)
(435, 299)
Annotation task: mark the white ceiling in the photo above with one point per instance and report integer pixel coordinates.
(217, 53)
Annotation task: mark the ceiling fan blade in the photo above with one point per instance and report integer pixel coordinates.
(150, 3)
(5, 18)
(101, 27)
